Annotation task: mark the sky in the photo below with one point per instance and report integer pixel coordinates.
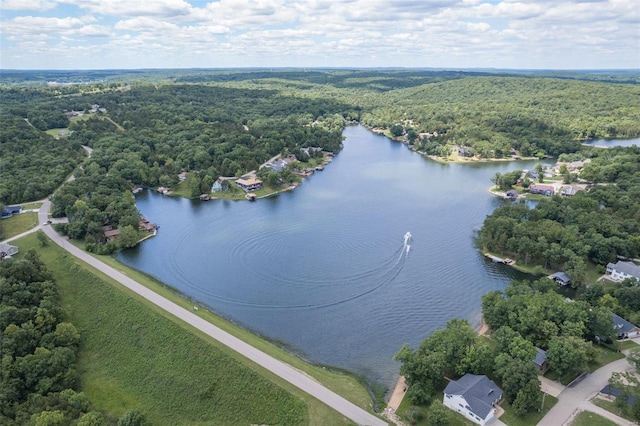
(128, 34)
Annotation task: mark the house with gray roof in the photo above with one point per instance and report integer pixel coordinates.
(7, 250)
(474, 397)
(621, 270)
(540, 360)
(561, 278)
(624, 329)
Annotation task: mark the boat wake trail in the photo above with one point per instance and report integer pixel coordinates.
(380, 276)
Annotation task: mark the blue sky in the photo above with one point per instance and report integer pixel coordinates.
(517, 34)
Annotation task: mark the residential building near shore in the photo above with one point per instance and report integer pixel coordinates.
(249, 184)
(622, 270)
(474, 397)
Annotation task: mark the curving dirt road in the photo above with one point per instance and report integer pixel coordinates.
(285, 371)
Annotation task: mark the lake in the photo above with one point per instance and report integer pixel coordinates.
(325, 269)
(610, 143)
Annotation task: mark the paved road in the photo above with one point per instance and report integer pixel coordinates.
(279, 368)
(575, 397)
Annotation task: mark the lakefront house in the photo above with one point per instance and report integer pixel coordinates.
(621, 270)
(249, 184)
(474, 397)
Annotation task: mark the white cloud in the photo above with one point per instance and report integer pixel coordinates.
(461, 33)
(144, 23)
(36, 5)
(38, 25)
(164, 8)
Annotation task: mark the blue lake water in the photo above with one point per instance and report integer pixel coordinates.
(610, 143)
(324, 269)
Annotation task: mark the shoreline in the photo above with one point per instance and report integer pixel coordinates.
(401, 387)
(473, 160)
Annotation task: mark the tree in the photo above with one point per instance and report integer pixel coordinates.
(568, 354)
(128, 237)
(477, 360)
(494, 309)
(412, 135)
(272, 179)
(528, 398)
(575, 267)
(66, 334)
(92, 418)
(42, 238)
(49, 418)
(438, 415)
(438, 355)
(634, 358)
(133, 418)
(396, 130)
(514, 374)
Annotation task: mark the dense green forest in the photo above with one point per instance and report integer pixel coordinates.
(32, 163)
(151, 126)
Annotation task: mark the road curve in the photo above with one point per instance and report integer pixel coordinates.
(573, 398)
(279, 368)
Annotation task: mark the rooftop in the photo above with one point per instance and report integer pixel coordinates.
(479, 391)
(628, 268)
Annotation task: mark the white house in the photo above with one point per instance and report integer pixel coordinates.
(622, 270)
(474, 397)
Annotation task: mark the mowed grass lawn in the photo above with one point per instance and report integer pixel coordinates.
(18, 223)
(133, 356)
(587, 418)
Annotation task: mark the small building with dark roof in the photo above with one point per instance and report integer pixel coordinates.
(7, 251)
(9, 211)
(561, 278)
(540, 360)
(474, 397)
(624, 329)
(111, 234)
(512, 193)
(614, 392)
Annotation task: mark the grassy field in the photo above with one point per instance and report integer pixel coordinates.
(18, 224)
(135, 356)
(416, 415)
(626, 344)
(610, 406)
(343, 384)
(587, 418)
(31, 206)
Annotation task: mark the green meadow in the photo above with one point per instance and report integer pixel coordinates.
(135, 356)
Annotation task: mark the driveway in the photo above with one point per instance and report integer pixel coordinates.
(572, 399)
(551, 387)
(285, 371)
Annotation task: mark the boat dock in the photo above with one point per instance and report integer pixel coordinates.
(497, 259)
